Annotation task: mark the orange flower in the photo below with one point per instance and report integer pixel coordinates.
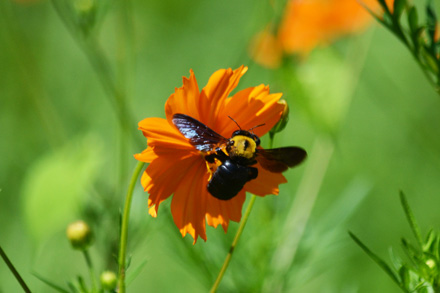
(312, 23)
(266, 49)
(177, 168)
(308, 24)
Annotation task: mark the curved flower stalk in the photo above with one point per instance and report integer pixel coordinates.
(179, 170)
(421, 38)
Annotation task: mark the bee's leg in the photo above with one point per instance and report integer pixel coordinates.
(252, 173)
(219, 155)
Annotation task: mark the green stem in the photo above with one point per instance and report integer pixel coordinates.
(101, 65)
(124, 69)
(396, 28)
(91, 270)
(234, 244)
(238, 233)
(14, 271)
(124, 227)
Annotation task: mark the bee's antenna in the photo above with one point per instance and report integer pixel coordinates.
(235, 122)
(256, 126)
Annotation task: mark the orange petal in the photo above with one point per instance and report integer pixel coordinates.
(188, 205)
(161, 134)
(219, 86)
(146, 156)
(222, 211)
(266, 182)
(185, 99)
(250, 107)
(303, 25)
(308, 24)
(162, 177)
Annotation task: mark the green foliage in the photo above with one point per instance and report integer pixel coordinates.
(420, 271)
(419, 38)
(327, 78)
(119, 61)
(57, 185)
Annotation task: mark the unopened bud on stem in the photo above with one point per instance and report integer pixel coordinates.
(79, 235)
(283, 119)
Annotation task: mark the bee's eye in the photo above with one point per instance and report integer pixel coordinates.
(257, 140)
(246, 144)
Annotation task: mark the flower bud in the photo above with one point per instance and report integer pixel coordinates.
(84, 6)
(430, 263)
(79, 235)
(108, 280)
(283, 119)
(86, 11)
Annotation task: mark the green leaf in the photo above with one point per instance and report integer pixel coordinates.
(413, 19)
(431, 17)
(431, 24)
(132, 274)
(405, 277)
(378, 260)
(429, 60)
(399, 6)
(423, 289)
(57, 184)
(72, 287)
(416, 38)
(410, 251)
(435, 246)
(429, 242)
(384, 5)
(376, 16)
(50, 284)
(411, 220)
(82, 284)
(395, 259)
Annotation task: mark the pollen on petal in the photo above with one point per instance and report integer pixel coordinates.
(153, 211)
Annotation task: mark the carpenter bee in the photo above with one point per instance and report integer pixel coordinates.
(234, 157)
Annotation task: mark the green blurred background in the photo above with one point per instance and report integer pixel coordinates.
(361, 108)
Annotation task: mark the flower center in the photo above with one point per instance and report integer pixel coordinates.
(214, 159)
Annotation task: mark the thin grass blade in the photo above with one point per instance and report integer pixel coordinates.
(50, 283)
(378, 260)
(411, 220)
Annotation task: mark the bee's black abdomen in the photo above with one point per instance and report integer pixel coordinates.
(229, 179)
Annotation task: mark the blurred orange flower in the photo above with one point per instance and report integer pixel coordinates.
(311, 23)
(177, 168)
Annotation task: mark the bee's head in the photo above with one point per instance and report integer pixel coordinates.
(247, 134)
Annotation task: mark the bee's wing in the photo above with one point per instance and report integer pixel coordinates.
(280, 159)
(200, 136)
